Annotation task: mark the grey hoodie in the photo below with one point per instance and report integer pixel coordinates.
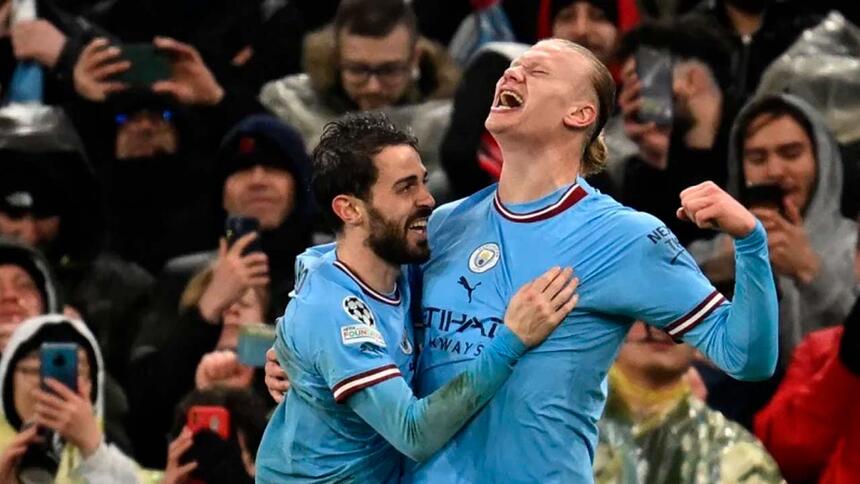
(826, 301)
(108, 464)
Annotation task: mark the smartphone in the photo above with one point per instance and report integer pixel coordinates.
(655, 70)
(148, 65)
(764, 196)
(216, 419)
(254, 341)
(60, 362)
(237, 227)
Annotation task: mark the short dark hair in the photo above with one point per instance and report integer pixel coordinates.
(375, 18)
(343, 159)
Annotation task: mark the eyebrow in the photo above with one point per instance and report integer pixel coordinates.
(409, 179)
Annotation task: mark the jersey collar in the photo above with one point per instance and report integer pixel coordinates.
(394, 301)
(573, 194)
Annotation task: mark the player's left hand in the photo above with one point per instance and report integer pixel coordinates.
(709, 206)
(791, 252)
(277, 381)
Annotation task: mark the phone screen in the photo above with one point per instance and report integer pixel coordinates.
(655, 70)
(254, 341)
(237, 227)
(148, 65)
(60, 362)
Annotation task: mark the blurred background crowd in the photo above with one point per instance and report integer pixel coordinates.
(131, 130)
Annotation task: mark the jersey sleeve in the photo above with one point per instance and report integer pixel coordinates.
(343, 343)
(654, 279)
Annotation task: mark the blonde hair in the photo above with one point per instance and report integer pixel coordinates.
(595, 153)
(200, 282)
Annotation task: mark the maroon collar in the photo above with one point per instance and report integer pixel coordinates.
(394, 301)
(573, 194)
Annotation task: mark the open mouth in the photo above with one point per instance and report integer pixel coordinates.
(419, 226)
(508, 100)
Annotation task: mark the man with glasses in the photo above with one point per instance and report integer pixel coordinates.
(370, 58)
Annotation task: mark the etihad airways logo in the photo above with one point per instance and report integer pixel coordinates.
(452, 321)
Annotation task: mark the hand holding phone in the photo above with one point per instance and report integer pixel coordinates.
(764, 196)
(148, 65)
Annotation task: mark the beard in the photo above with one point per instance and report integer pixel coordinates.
(389, 241)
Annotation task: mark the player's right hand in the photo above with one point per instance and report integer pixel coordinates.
(540, 306)
(709, 206)
(276, 378)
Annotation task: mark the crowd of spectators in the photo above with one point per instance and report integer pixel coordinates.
(132, 131)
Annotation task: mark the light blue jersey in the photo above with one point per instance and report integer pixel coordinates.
(541, 426)
(351, 415)
(337, 337)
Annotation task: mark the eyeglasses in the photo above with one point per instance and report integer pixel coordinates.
(387, 73)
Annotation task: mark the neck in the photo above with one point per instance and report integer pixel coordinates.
(533, 170)
(647, 395)
(379, 274)
(745, 23)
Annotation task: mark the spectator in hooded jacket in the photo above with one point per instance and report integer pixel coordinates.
(71, 446)
(781, 140)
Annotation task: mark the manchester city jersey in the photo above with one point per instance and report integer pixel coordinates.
(337, 337)
(541, 425)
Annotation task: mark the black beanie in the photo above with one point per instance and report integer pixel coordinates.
(609, 8)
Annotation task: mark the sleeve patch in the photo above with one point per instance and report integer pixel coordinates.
(359, 333)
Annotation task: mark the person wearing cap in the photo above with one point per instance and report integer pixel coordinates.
(469, 155)
(27, 287)
(261, 167)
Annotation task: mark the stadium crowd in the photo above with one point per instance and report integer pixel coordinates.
(133, 131)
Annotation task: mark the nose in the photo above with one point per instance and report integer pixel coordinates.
(258, 174)
(373, 85)
(580, 27)
(514, 73)
(775, 169)
(425, 198)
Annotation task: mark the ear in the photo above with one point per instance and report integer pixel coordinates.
(347, 208)
(581, 116)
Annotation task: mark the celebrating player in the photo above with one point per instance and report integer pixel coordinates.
(346, 339)
(550, 107)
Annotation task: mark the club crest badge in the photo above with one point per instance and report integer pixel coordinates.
(484, 258)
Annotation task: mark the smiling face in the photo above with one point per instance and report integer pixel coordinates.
(262, 192)
(779, 151)
(537, 96)
(20, 299)
(398, 207)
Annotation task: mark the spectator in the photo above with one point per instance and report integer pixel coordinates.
(812, 425)
(263, 164)
(782, 140)
(28, 288)
(469, 154)
(78, 452)
(690, 150)
(205, 455)
(371, 57)
(49, 200)
(654, 430)
(758, 30)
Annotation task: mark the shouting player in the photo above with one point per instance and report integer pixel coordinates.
(346, 338)
(550, 108)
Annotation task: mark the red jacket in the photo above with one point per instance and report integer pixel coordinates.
(812, 425)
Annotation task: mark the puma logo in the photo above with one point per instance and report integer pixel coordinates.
(463, 282)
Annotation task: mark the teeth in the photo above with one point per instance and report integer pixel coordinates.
(510, 99)
(419, 225)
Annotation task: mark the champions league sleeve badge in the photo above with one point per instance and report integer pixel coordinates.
(357, 310)
(484, 258)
